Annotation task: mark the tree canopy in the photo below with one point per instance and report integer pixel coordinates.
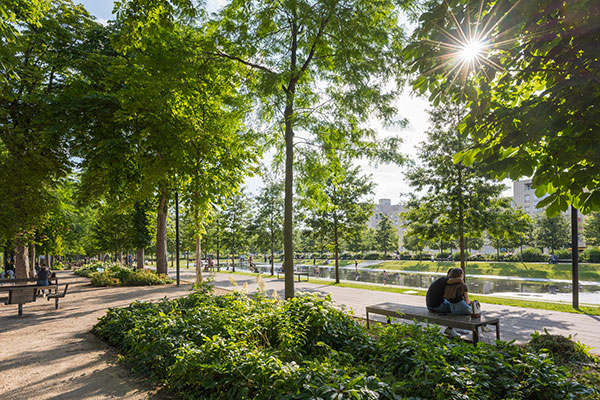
(531, 89)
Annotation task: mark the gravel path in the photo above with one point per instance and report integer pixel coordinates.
(51, 354)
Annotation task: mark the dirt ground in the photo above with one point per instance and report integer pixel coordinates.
(51, 354)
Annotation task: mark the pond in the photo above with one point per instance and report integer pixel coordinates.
(526, 288)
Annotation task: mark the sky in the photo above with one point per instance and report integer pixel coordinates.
(389, 179)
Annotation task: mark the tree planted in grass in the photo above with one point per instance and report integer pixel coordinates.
(591, 229)
(457, 197)
(333, 192)
(267, 224)
(386, 235)
(552, 233)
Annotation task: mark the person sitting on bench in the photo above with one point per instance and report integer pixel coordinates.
(42, 277)
(457, 293)
(437, 303)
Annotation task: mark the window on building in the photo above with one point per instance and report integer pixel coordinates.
(527, 198)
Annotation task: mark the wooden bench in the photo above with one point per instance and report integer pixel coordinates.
(421, 314)
(22, 295)
(298, 274)
(19, 289)
(57, 296)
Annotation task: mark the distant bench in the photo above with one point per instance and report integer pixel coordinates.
(298, 274)
(395, 310)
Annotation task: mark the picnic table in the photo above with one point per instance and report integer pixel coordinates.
(25, 290)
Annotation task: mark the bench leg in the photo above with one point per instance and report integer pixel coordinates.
(20, 309)
(476, 336)
(498, 330)
(367, 320)
(56, 303)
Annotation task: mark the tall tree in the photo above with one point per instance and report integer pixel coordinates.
(268, 218)
(507, 226)
(34, 136)
(235, 221)
(591, 230)
(386, 235)
(458, 197)
(531, 89)
(318, 63)
(552, 233)
(334, 192)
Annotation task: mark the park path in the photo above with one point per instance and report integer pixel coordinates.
(516, 323)
(51, 354)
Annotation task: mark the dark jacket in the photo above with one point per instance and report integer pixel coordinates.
(435, 293)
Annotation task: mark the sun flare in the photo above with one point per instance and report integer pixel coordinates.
(471, 50)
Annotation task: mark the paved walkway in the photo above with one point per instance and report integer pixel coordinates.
(516, 323)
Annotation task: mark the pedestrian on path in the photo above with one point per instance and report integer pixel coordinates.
(385, 277)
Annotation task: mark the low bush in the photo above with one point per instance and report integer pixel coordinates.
(562, 349)
(591, 255)
(456, 255)
(205, 346)
(102, 274)
(57, 266)
(373, 256)
(533, 254)
(563, 254)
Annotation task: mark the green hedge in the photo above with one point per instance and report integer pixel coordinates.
(233, 347)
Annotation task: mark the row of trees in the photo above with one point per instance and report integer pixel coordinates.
(160, 101)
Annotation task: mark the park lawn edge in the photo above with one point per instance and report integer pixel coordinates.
(537, 305)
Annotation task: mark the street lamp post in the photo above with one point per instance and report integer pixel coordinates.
(177, 234)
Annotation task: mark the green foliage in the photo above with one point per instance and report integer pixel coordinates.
(591, 254)
(591, 229)
(531, 94)
(108, 274)
(386, 235)
(205, 346)
(533, 254)
(459, 200)
(562, 349)
(552, 233)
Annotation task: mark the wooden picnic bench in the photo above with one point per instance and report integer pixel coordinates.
(22, 290)
(297, 273)
(421, 314)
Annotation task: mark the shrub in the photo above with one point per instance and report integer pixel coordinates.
(373, 256)
(477, 257)
(102, 274)
(57, 266)
(591, 255)
(456, 255)
(533, 254)
(205, 346)
(103, 279)
(562, 349)
(563, 254)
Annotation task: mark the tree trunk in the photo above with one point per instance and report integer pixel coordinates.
(575, 257)
(162, 266)
(497, 250)
(198, 256)
(32, 261)
(48, 261)
(21, 258)
(139, 255)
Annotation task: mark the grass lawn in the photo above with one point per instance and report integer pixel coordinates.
(587, 272)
